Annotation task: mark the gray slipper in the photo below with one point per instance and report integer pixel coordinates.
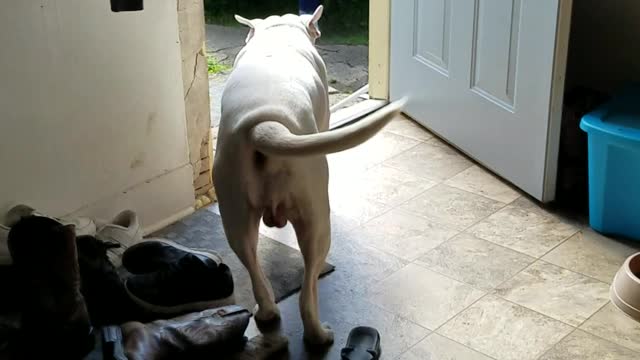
(363, 344)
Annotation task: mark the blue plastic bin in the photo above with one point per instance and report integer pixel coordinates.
(613, 131)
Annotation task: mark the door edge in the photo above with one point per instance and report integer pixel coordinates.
(563, 29)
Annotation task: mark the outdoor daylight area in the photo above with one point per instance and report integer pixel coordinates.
(342, 45)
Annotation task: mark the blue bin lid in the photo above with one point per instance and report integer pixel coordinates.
(618, 117)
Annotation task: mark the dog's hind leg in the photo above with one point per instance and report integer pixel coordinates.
(241, 227)
(313, 231)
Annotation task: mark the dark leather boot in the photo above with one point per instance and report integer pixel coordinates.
(55, 322)
(214, 332)
(103, 289)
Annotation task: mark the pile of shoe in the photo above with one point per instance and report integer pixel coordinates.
(54, 315)
(67, 285)
(99, 245)
(171, 279)
(124, 230)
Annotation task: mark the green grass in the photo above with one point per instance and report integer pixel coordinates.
(223, 19)
(344, 22)
(216, 67)
(361, 38)
(331, 35)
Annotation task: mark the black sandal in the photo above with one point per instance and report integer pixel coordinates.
(363, 344)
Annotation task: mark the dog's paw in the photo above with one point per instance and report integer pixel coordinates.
(320, 338)
(266, 315)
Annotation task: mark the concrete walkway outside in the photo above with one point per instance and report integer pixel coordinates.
(347, 65)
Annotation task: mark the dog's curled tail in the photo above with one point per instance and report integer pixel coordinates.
(273, 138)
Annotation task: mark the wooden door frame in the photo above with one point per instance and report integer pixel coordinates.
(379, 48)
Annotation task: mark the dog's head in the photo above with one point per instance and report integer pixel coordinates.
(308, 23)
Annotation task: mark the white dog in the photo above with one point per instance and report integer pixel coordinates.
(270, 161)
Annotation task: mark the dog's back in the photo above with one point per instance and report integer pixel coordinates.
(279, 67)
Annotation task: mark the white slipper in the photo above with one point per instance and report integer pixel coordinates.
(124, 229)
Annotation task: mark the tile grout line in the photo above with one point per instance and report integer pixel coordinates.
(516, 190)
(494, 293)
(536, 311)
(393, 314)
(437, 181)
(407, 136)
(578, 328)
(466, 283)
(446, 241)
(380, 308)
(573, 328)
(391, 207)
(592, 315)
(452, 340)
(399, 316)
(553, 346)
(504, 205)
(560, 243)
(520, 252)
(385, 277)
(429, 141)
(414, 345)
(465, 231)
(573, 271)
(451, 278)
(458, 313)
(401, 152)
(436, 330)
(546, 262)
(600, 337)
(398, 207)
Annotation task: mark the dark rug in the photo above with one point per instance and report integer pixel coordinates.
(282, 264)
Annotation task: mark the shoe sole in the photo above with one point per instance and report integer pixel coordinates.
(204, 252)
(182, 308)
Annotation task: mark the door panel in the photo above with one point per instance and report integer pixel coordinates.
(495, 51)
(480, 74)
(431, 35)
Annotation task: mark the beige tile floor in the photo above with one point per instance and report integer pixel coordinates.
(450, 263)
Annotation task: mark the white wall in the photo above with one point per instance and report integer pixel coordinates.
(604, 49)
(92, 115)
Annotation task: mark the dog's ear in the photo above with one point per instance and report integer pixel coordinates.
(248, 23)
(244, 21)
(312, 24)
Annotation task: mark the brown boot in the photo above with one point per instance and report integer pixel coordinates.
(263, 347)
(213, 332)
(55, 322)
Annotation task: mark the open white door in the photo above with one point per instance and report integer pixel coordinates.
(488, 77)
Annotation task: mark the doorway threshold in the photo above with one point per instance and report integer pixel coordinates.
(342, 113)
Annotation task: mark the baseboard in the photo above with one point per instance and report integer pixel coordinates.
(158, 201)
(168, 221)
